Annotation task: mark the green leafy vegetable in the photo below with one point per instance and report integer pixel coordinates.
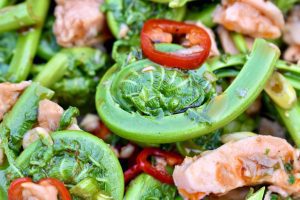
(152, 90)
(21, 15)
(74, 157)
(23, 115)
(8, 43)
(178, 127)
(48, 46)
(73, 74)
(145, 187)
(68, 118)
(27, 44)
(127, 13)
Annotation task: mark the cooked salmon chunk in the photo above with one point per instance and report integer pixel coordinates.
(255, 18)
(251, 161)
(49, 115)
(78, 22)
(42, 191)
(9, 93)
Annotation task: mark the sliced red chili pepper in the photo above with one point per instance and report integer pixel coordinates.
(15, 189)
(162, 175)
(160, 30)
(132, 172)
(143, 165)
(62, 190)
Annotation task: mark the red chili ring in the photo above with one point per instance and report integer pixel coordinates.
(195, 35)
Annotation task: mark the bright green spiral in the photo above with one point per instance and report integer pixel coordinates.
(154, 90)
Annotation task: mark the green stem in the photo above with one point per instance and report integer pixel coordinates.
(58, 65)
(239, 41)
(54, 70)
(27, 46)
(21, 15)
(290, 118)
(294, 79)
(288, 67)
(225, 61)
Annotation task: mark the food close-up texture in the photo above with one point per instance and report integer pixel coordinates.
(149, 99)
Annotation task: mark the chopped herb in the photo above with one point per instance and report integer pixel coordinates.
(288, 167)
(267, 151)
(291, 179)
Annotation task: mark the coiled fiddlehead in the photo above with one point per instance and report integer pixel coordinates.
(74, 156)
(120, 112)
(151, 89)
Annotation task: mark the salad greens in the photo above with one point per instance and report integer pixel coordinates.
(145, 187)
(27, 44)
(73, 75)
(142, 106)
(74, 156)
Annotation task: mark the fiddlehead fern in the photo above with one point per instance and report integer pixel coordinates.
(75, 156)
(151, 89)
(120, 112)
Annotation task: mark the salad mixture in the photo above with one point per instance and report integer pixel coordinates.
(149, 99)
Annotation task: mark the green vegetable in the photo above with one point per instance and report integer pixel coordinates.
(3, 192)
(7, 45)
(173, 3)
(48, 46)
(158, 91)
(193, 122)
(290, 119)
(240, 124)
(22, 116)
(281, 91)
(204, 15)
(73, 75)
(285, 5)
(131, 15)
(74, 157)
(290, 71)
(68, 118)
(203, 143)
(88, 188)
(259, 195)
(240, 42)
(20, 15)
(125, 52)
(27, 45)
(145, 187)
